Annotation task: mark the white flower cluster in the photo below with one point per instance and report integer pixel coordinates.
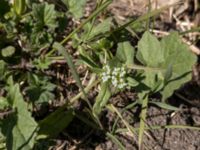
(116, 75)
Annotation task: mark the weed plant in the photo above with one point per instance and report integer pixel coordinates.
(36, 36)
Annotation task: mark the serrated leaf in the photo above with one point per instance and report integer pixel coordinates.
(76, 7)
(102, 99)
(42, 63)
(45, 15)
(22, 127)
(40, 89)
(8, 51)
(125, 52)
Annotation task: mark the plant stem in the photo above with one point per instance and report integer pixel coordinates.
(139, 67)
(142, 121)
(94, 14)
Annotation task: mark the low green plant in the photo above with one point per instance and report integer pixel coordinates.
(29, 46)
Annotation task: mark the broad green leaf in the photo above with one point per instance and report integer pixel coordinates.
(168, 73)
(164, 62)
(149, 51)
(165, 106)
(45, 15)
(125, 52)
(154, 80)
(22, 127)
(52, 125)
(102, 99)
(8, 51)
(76, 7)
(180, 59)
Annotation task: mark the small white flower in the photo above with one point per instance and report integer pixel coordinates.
(103, 74)
(114, 73)
(116, 76)
(114, 82)
(105, 78)
(121, 80)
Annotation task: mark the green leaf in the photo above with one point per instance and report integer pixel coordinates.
(21, 127)
(45, 15)
(164, 62)
(88, 61)
(149, 51)
(76, 7)
(42, 63)
(3, 103)
(132, 82)
(52, 125)
(19, 6)
(180, 59)
(101, 28)
(165, 106)
(125, 52)
(40, 89)
(8, 51)
(102, 99)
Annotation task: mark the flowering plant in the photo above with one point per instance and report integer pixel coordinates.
(116, 76)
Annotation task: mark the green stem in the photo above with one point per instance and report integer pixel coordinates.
(94, 14)
(138, 67)
(142, 120)
(157, 127)
(90, 86)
